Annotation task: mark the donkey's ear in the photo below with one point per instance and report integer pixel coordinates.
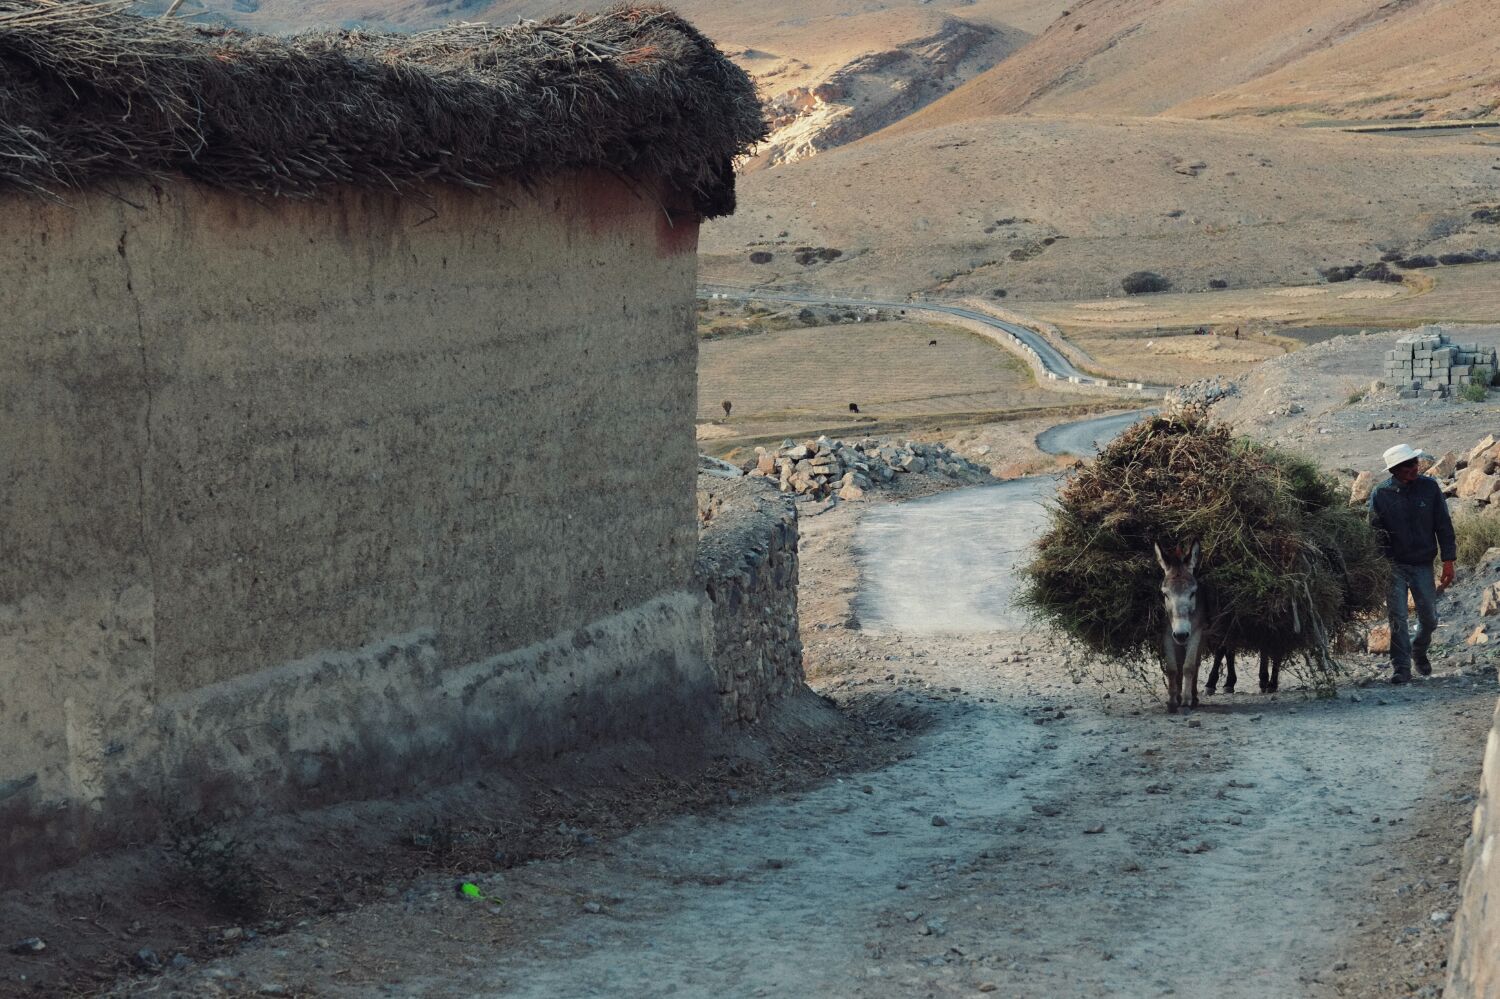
(1193, 558)
(1160, 558)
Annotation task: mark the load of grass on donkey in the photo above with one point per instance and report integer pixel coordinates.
(1287, 567)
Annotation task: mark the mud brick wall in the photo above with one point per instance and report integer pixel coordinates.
(747, 566)
(1474, 961)
(310, 500)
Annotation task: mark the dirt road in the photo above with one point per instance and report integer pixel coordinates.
(1044, 837)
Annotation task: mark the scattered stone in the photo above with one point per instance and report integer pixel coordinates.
(181, 962)
(1489, 600)
(29, 945)
(825, 468)
(939, 821)
(1439, 918)
(145, 959)
(232, 934)
(1479, 636)
(1048, 810)
(1379, 639)
(1094, 830)
(1195, 723)
(593, 908)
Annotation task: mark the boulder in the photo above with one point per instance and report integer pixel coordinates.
(1479, 636)
(1489, 601)
(1444, 466)
(1476, 485)
(851, 492)
(1379, 639)
(1364, 485)
(1481, 448)
(765, 462)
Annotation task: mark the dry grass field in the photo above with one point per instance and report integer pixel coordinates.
(799, 382)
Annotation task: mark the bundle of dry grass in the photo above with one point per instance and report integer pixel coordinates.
(89, 92)
(1287, 565)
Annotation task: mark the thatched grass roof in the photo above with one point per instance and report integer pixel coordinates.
(89, 92)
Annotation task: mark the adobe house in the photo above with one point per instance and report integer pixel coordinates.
(347, 386)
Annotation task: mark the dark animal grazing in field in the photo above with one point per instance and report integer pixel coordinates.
(1270, 673)
(1182, 638)
(854, 407)
(932, 343)
(727, 407)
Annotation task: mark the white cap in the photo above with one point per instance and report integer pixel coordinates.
(1401, 452)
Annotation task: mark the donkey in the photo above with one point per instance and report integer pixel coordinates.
(1182, 639)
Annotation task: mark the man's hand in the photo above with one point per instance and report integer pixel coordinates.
(1446, 580)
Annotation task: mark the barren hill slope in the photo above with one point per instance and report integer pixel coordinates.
(1338, 58)
(1065, 207)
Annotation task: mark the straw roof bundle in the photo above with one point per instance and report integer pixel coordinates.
(1286, 563)
(89, 92)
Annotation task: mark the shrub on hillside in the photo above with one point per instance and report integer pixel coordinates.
(761, 257)
(1218, 284)
(1287, 565)
(1144, 282)
(1477, 532)
(1454, 259)
(1380, 272)
(1337, 275)
(1418, 262)
(1473, 392)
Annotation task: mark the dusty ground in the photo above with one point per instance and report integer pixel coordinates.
(1043, 838)
(1464, 294)
(1323, 378)
(1044, 833)
(785, 379)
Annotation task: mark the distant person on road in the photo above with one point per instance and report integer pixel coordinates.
(1410, 517)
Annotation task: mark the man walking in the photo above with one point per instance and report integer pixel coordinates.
(1411, 520)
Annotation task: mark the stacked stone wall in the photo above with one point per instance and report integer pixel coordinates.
(1474, 962)
(747, 566)
(1428, 365)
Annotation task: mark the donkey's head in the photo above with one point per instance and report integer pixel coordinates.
(1179, 589)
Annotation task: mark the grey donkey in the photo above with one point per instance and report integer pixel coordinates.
(1183, 636)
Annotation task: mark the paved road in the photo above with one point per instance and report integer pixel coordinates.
(1050, 357)
(946, 564)
(1086, 437)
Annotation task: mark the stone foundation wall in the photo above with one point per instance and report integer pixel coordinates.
(747, 566)
(1474, 962)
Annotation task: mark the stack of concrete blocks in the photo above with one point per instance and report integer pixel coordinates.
(1427, 365)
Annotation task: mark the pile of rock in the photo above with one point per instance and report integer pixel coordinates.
(1469, 481)
(1427, 365)
(1202, 393)
(823, 467)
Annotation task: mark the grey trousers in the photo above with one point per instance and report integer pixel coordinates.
(1419, 581)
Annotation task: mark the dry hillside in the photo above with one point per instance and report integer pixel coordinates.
(1335, 58)
(1063, 208)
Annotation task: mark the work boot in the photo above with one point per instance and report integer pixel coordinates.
(1424, 666)
(1401, 676)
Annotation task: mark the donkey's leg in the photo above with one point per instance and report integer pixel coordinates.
(1192, 657)
(1265, 674)
(1275, 674)
(1229, 683)
(1213, 674)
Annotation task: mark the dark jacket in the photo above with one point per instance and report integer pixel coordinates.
(1412, 521)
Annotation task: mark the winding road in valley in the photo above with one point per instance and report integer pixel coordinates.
(1052, 360)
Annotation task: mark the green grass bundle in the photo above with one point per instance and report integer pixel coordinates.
(1286, 563)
